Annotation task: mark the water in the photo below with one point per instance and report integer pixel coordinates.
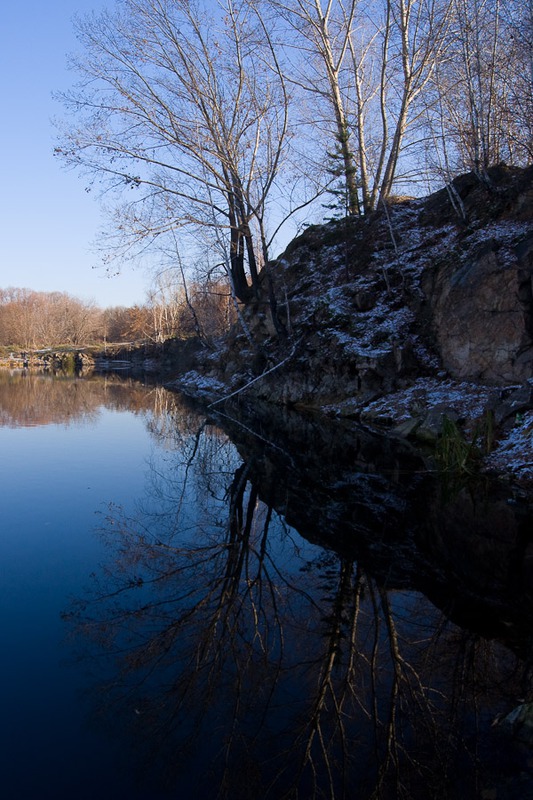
(249, 605)
(63, 460)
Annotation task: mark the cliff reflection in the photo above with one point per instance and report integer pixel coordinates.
(246, 659)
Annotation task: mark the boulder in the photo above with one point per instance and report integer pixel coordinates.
(481, 301)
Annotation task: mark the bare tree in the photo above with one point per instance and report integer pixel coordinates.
(32, 319)
(518, 17)
(183, 103)
(483, 111)
(419, 30)
(369, 63)
(321, 32)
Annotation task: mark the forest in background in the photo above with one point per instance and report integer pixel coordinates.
(31, 320)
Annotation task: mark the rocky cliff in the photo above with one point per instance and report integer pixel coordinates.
(420, 312)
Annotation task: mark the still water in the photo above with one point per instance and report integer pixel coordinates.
(251, 605)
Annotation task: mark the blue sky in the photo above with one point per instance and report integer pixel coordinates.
(48, 223)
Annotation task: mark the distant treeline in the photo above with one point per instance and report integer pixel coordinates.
(30, 320)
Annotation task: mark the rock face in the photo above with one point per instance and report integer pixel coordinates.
(480, 290)
(437, 290)
(419, 287)
(481, 307)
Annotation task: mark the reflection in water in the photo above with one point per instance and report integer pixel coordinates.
(262, 627)
(42, 398)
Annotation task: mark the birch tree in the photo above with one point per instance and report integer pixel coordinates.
(484, 87)
(517, 32)
(417, 30)
(368, 62)
(316, 40)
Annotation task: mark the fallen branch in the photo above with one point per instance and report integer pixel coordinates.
(254, 380)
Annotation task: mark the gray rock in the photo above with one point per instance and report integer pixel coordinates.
(519, 723)
(432, 425)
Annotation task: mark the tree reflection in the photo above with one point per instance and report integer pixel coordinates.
(243, 657)
(44, 398)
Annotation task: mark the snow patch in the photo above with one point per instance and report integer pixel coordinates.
(469, 399)
(514, 452)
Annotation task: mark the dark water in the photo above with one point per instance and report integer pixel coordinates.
(250, 605)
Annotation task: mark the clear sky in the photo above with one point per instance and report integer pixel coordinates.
(48, 223)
